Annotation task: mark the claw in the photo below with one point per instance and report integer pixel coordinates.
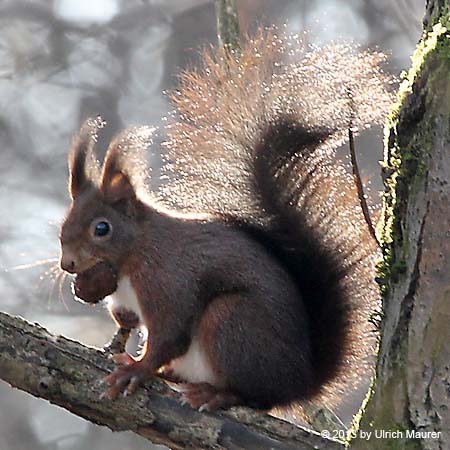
(132, 385)
(116, 387)
(183, 388)
(126, 378)
(205, 397)
(108, 380)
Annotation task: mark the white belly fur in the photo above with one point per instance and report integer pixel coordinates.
(125, 297)
(193, 366)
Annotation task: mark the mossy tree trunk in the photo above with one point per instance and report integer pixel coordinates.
(411, 393)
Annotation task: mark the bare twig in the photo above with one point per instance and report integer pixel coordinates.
(356, 172)
(359, 185)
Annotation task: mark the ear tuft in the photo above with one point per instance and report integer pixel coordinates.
(125, 170)
(83, 166)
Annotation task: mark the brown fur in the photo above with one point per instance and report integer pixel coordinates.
(273, 271)
(125, 318)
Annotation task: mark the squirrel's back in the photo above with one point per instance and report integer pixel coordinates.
(254, 141)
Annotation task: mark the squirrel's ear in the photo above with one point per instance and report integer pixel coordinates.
(116, 186)
(125, 169)
(116, 183)
(83, 167)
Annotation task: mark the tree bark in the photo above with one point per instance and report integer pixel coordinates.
(67, 374)
(412, 389)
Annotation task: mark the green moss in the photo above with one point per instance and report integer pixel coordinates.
(425, 47)
(383, 420)
(408, 141)
(398, 267)
(354, 427)
(441, 15)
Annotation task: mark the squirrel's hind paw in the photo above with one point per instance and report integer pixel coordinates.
(205, 397)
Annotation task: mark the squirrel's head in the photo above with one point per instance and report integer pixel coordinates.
(103, 219)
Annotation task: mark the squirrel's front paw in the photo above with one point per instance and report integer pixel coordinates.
(126, 378)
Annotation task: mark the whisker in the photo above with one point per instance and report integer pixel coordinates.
(54, 268)
(62, 277)
(52, 274)
(55, 282)
(49, 274)
(40, 262)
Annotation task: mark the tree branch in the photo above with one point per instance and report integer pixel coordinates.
(66, 373)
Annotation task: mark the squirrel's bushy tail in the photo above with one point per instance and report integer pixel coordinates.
(254, 139)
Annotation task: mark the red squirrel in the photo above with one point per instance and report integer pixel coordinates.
(251, 267)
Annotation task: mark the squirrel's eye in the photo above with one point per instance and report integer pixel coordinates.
(102, 228)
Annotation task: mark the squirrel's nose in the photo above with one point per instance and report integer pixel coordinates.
(68, 265)
(68, 261)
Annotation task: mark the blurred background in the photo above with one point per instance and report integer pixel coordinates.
(63, 60)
